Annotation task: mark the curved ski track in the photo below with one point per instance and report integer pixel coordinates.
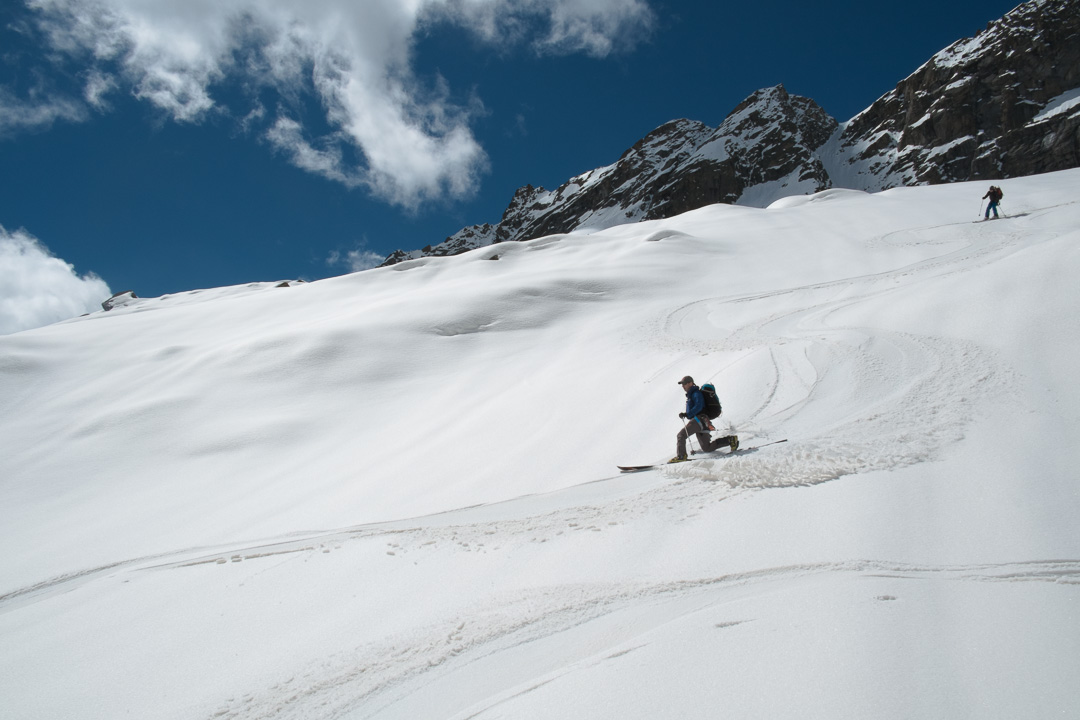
(916, 393)
(371, 680)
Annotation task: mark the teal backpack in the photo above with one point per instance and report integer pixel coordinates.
(712, 401)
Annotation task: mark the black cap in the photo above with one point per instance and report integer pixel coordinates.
(687, 379)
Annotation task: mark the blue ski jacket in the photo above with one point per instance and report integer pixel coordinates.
(695, 402)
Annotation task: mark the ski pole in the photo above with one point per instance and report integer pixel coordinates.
(980, 208)
(686, 429)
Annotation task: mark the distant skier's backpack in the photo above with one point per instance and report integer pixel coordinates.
(996, 194)
(712, 402)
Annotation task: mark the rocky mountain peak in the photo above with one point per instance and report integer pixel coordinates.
(768, 141)
(775, 109)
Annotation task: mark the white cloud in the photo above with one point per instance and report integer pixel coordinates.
(288, 135)
(98, 85)
(356, 260)
(39, 111)
(38, 289)
(389, 131)
(595, 27)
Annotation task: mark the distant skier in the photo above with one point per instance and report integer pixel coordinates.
(696, 421)
(995, 195)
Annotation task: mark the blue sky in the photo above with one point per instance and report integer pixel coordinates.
(181, 144)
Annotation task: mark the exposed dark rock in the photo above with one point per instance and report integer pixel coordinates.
(118, 299)
(977, 109)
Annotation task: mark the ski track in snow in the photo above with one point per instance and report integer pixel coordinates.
(945, 381)
(372, 679)
(381, 676)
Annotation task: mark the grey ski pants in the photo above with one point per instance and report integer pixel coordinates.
(699, 431)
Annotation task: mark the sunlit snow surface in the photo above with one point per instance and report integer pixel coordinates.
(393, 494)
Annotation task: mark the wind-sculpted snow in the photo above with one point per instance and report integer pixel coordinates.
(393, 494)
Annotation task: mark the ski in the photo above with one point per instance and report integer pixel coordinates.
(740, 451)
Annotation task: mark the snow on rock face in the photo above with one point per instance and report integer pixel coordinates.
(967, 113)
(1001, 104)
(1068, 103)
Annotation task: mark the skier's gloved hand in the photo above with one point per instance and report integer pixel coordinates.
(682, 415)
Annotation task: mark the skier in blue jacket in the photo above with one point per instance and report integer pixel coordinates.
(697, 422)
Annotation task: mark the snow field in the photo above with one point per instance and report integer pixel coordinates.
(392, 494)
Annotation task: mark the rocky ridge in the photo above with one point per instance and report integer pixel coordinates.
(1005, 103)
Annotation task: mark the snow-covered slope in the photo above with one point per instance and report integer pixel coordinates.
(392, 494)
